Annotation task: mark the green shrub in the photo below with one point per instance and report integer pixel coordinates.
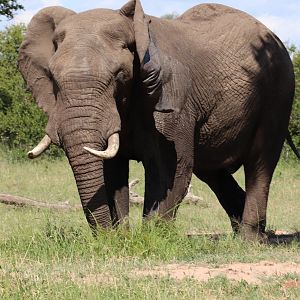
(22, 123)
(294, 126)
(295, 117)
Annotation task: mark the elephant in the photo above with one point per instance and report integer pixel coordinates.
(203, 94)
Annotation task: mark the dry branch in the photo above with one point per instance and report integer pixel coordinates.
(25, 202)
(190, 198)
(133, 197)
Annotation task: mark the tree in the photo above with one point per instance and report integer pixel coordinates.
(171, 16)
(9, 7)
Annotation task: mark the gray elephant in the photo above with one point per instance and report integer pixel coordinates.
(205, 93)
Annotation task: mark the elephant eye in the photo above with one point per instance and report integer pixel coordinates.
(131, 47)
(55, 45)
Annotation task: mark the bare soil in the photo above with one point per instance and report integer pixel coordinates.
(250, 272)
(253, 273)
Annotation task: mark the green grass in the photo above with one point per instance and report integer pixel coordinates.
(148, 288)
(47, 254)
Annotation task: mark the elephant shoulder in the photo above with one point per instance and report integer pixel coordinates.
(219, 23)
(217, 15)
(206, 12)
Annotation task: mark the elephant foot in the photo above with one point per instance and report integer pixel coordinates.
(253, 233)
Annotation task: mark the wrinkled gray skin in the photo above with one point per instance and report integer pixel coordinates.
(205, 93)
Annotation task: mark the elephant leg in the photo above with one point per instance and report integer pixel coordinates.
(154, 188)
(166, 184)
(169, 206)
(116, 182)
(230, 195)
(258, 180)
(258, 176)
(259, 168)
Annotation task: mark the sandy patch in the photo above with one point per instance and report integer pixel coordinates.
(250, 272)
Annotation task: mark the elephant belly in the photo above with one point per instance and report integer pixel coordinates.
(209, 160)
(222, 148)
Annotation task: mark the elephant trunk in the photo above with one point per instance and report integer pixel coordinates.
(89, 176)
(91, 187)
(89, 119)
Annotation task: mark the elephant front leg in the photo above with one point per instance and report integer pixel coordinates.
(168, 207)
(116, 182)
(166, 184)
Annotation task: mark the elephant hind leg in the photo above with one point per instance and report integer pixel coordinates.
(230, 195)
(258, 180)
(259, 168)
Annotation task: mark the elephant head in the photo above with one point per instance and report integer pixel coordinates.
(80, 69)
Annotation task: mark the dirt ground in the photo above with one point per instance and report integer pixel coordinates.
(250, 272)
(253, 273)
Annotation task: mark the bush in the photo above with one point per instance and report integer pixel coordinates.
(22, 123)
(294, 126)
(295, 117)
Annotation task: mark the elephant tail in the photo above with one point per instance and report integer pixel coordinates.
(292, 145)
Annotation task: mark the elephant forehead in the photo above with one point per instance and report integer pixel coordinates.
(96, 21)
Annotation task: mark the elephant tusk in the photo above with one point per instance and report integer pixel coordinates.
(112, 148)
(40, 148)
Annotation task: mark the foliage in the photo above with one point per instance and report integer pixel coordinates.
(21, 121)
(8, 7)
(295, 117)
(171, 16)
(294, 125)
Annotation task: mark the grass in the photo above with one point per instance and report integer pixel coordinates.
(47, 254)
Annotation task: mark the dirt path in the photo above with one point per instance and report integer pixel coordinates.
(250, 272)
(253, 273)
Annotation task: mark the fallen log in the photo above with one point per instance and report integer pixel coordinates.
(134, 198)
(190, 198)
(25, 202)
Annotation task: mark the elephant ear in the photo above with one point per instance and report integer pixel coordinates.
(35, 53)
(161, 74)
